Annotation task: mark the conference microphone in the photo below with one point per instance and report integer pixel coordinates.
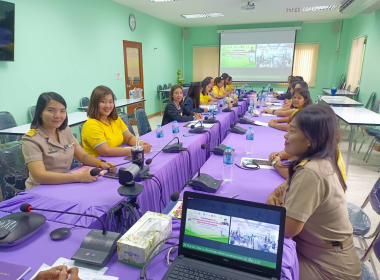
(197, 130)
(175, 196)
(204, 146)
(243, 120)
(175, 148)
(237, 129)
(99, 243)
(218, 150)
(96, 171)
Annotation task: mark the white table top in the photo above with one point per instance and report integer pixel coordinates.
(339, 92)
(121, 103)
(357, 116)
(340, 100)
(73, 119)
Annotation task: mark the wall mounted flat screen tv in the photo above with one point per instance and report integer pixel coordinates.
(7, 31)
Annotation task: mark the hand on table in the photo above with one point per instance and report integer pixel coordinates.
(273, 155)
(147, 147)
(58, 273)
(86, 177)
(205, 110)
(105, 165)
(272, 123)
(273, 200)
(268, 111)
(198, 116)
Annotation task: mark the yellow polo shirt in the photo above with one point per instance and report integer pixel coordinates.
(218, 91)
(230, 87)
(205, 98)
(97, 132)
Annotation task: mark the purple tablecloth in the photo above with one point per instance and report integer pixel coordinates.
(41, 249)
(99, 197)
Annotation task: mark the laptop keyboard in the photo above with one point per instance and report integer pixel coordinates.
(181, 272)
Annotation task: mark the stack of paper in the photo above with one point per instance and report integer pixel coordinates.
(267, 115)
(260, 123)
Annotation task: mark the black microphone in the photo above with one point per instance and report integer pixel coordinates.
(27, 208)
(204, 146)
(175, 196)
(176, 148)
(197, 130)
(218, 150)
(244, 120)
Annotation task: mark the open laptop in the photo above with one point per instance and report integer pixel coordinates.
(224, 238)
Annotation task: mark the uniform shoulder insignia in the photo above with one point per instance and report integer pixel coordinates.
(303, 162)
(31, 132)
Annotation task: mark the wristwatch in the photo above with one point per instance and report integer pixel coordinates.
(274, 162)
(273, 112)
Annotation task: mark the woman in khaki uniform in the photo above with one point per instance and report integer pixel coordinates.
(50, 146)
(314, 197)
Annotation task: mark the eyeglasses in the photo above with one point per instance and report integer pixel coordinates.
(250, 166)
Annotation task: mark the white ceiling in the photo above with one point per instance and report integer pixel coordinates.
(266, 11)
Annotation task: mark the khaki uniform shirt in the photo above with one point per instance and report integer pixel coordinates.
(38, 145)
(316, 198)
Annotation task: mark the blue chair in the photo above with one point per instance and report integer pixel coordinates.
(125, 118)
(361, 223)
(165, 86)
(32, 112)
(84, 101)
(373, 247)
(7, 121)
(143, 125)
(13, 170)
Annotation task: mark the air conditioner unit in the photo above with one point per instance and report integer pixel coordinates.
(345, 5)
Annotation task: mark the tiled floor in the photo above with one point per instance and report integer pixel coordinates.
(360, 180)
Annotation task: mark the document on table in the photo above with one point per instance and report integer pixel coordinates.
(206, 125)
(267, 115)
(86, 271)
(260, 123)
(273, 104)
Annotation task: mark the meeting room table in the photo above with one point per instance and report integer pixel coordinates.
(340, 101)
(121, 103)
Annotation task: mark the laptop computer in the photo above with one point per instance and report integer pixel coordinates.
(225, 238)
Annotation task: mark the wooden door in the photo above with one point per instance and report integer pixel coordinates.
(133, 70)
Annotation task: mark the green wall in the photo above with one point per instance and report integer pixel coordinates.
(311, 33)
(71, 46)
(363, 25)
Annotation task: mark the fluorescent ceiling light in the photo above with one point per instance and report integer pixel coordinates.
(311, 9)
(204, 15)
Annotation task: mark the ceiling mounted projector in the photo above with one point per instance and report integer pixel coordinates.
(249, 7)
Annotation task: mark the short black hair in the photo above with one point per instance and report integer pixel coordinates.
(42, 102)
(302, 83)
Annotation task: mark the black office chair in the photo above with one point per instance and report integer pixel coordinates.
(7, 121)
(32, 111)
(163, 96)
(164, 86)
(348, 88)
(143, 125)
(125, 118)
(13, 170)
(169, 85)
(84, 101)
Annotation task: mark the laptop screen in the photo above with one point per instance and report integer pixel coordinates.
(233, 231)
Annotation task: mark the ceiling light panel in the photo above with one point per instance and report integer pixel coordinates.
(311, 9)
(211, 15)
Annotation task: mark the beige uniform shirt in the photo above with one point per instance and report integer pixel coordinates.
(38, 145)
(316, 198)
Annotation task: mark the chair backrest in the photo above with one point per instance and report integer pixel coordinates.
(370, 101)
(348, 88)
(165, 86)
(13, 171)
(143, 124)
(159, 87)
(376, 107)
(374, 197)
(32, 112)
(84, 101)
(7, 121)
(356, 90)
(169, 85)
(125, 119)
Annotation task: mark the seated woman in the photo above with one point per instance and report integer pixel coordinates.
(218, 89)
(205, 98)
(175, 110)
(193, 98)
(314, 198)
(288, 109)
(104, 132)
(50, 146)
(229, 85)
(286, 95)
(225, 78)
(301, 99)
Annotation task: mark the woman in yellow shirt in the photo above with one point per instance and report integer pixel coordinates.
(205, 98)
(104, 132)
(218, 89)
(229, 85)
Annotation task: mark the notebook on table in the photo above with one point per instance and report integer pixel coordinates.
(10, 271)
(230, 238)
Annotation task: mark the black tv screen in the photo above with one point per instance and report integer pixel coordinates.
(7, 31)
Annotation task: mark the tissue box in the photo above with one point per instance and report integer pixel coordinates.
(136, 244)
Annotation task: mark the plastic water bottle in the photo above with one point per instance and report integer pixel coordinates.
(225, 103)
(228, 163)
(250, 112)
(249, 136)
(130, 95)
(160, 137)
(251, 101)
(175, 129)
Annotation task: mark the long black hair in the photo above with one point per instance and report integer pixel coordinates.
(42, 101)
(194, 93)
(320, 127)
(204, 84)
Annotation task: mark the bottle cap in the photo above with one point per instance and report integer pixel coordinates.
(175, 121)
(250, 127)
(229, 147)
(158, 125)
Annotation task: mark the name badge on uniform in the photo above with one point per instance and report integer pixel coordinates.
(51, 151)
(68, 146)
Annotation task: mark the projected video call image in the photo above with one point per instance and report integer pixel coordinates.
(254, 235)
(274, 55)
(238, 56)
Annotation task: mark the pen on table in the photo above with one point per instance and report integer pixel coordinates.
(234, 195)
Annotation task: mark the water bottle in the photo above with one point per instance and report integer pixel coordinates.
(250, 112)
(175, 129)
(225, 103)
(249, 136)
(130, 95)
(255, 103)
(160, 137)
(228, 163)
(251, 101)
(264, 99)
